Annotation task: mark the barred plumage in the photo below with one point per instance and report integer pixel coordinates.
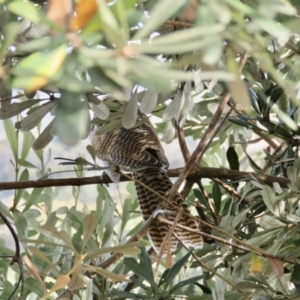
(139, 150)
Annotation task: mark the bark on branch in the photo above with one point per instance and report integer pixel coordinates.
(193, 176)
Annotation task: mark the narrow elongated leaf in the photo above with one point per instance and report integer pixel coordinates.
(33, 198)
(186, 282)
(61, 282)
(43, 63)
(27, 143)
(217, 196)
(112, 125)
(5, 98)
(89, 224)
(181, 48)
(269, 199)
(240, 217)
(27, 10)
(101, 110)
(148, 102)
(269, 222)
(16, 108)
(34, 271)
(246, 285)
(173, 272)
(255, 264)
(161, 12)
(276, 265)
(131, 249)
(130, 112)
(233, 159)
(35, 118)
(39, 254)
(169, 132)
(183, 36)
(71, 118)
(138, 269)
(21, 224)
(113, 33)
(237, 87)
(10, 31)
(84, 11)
(61, 235)
(44, 138)
(173, 109)
(12, 137)
(143, 269)
(110, 275)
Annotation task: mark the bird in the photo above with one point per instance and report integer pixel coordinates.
(139, 150)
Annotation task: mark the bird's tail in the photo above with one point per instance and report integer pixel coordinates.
(157, 180)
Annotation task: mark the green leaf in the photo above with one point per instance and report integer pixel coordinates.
(21, 224)
(130, 112)
(246, 285)
(169, 132)
(111, 126)
(44, 138)
(252, 162)
(46, 64)
(186, 282)
(112, 276)
(161, 12)
(130, 249)
(138, 269)
(35, 117)
(12, 137)
(26, 10)
(233, 159)
(217, 196)
(137, 282)
(296, 277)
(10, 31)
(143, 269)
(101, 110)
(33, 199)
(112, 30)
(269, 222)
(61, 235)
(89, 224)
(174, 108)
(35, 288)
(269, 199)
(126, 212)
(173, 272)
(16, 108)
(27, 143)
(148, 102)
(198, 194)
(128, 295)
(71, 118)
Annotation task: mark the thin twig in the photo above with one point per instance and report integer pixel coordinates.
(217, 131)
(246, 247)
(186, 154)
(198, 153)
(16, 258)
(230, 190)
(208, 202)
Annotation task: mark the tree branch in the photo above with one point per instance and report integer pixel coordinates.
(202, 172)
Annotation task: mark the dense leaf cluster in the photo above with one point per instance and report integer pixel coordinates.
(179, 61)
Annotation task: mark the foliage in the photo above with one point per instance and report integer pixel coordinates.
(179, 61)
